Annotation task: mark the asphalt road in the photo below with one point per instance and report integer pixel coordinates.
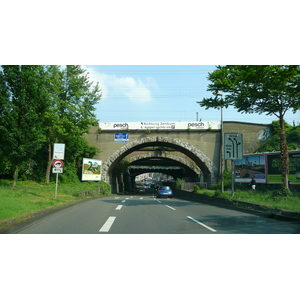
(145, 214)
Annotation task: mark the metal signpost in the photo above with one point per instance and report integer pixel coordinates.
(57, 164)
(233, 150)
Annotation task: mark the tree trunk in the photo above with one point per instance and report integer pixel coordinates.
(48, 170)
(284, 155)
(16, 173)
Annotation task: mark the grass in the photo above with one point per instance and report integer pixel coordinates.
(20, 203)
(290, 203)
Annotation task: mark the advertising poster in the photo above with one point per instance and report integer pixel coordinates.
(252, 166)
(274, 168)
(91, 169)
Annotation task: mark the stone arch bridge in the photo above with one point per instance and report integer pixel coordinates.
(189, 150)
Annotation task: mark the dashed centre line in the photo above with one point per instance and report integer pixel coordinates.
(209, 228)
(107, 224)
(119, 207)
(123, 201)
(170, 207)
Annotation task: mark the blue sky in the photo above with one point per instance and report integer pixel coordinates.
(137, 93)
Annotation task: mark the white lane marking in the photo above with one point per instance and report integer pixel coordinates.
(170, 207)
(117, 197)
(158, 201)
(107, 224)
(126, 198)
(209, 228)
(123, 201)
(141, 198)
(119, 207)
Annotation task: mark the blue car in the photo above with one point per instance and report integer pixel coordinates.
(164, 191)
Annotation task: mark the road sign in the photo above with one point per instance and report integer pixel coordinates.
(57, 170)
(57, 163)
(121, 137)
(59, 151)
(233, 146)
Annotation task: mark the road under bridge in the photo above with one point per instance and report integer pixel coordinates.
(188, 150)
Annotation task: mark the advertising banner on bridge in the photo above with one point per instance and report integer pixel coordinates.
(91, 169)
(160, 125)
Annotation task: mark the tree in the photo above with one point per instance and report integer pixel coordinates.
(71, 113)
(22, 103)
(273, 142)
(272, 90)
(42, 105)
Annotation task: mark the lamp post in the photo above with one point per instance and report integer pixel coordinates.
(221, 141)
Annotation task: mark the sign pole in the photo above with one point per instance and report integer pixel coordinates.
(56, 186)
(232, 177)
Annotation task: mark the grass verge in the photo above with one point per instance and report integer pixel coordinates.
(267, 198)
(20, 203)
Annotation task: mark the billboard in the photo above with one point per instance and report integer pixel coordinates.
(160, 125)
(265, 168)
(274, 168)
(250, 166)
(91, 169)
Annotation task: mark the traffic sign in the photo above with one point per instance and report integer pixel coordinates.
(121, 137)
(57, 163)
(57, 170)
(59, 151)
(233, 146)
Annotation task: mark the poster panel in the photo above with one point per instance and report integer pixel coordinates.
(250, 166)
(91, 169)
(274, 168)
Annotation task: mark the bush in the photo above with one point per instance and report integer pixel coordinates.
(196, 188)
(178, 183)
(283, 192)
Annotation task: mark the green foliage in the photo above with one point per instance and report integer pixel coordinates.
(255, 89)
(40, 106)
(178, 183)
(269, 89)
(196, 188)
(283, 192)
(273, 143)
(227, 181)
(22, 105)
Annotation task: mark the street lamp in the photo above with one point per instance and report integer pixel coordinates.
(222, 146)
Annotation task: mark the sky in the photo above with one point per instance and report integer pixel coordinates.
(151, 93)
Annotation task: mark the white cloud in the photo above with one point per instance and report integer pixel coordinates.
(135, 90)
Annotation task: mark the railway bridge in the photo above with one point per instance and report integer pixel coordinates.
(188, 150)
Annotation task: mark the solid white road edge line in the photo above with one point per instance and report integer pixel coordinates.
(119, 207)
(107, 224)
(209, 228)
(170, 207)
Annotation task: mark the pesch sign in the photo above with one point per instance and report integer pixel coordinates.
(160, 125)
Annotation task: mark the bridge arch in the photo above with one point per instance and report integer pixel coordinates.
(196, 155)
(176, 158)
